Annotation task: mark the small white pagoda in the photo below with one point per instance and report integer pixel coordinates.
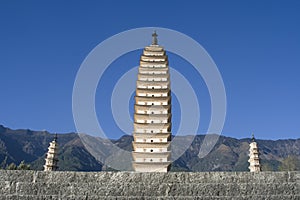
(254, 160)
(152, 112)
(52, 156)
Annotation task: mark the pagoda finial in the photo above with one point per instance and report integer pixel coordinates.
(55, 138)
(154, 38)
(253, 138)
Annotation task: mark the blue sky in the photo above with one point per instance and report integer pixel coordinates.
(255, 44)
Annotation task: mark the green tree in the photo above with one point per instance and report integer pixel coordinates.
(23, 166)
(267, 167)
(11, 166)
(291, 163)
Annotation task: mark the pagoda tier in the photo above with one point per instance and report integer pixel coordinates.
(144, 109)
(152, 112)
(149, 71)
(152, 128)
(153, 77)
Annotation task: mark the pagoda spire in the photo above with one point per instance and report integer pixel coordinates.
(254, 161)
(154, 38)
(52, 156)
(55, 138)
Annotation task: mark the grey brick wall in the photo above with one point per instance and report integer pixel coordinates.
(132, 185)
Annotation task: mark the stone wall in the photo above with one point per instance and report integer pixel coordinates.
(33, 185)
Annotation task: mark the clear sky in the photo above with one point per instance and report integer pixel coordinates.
(255, 44)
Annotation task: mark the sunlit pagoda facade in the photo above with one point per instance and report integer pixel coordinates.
(51, 161)
(152, 111)
(254, 161)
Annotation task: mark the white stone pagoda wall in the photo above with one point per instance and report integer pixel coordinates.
(152, 118)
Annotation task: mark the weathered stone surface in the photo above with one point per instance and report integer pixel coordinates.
(130, 185)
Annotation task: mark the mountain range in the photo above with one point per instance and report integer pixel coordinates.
(229, 154)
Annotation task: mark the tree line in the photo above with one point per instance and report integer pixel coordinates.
(13, 166)
(290, 163)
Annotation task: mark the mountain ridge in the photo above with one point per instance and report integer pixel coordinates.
(229, 154)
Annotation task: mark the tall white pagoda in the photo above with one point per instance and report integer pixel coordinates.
(52, 156)
(254, 156)
(152, 111)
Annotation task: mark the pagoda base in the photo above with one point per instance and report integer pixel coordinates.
(151, 166)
